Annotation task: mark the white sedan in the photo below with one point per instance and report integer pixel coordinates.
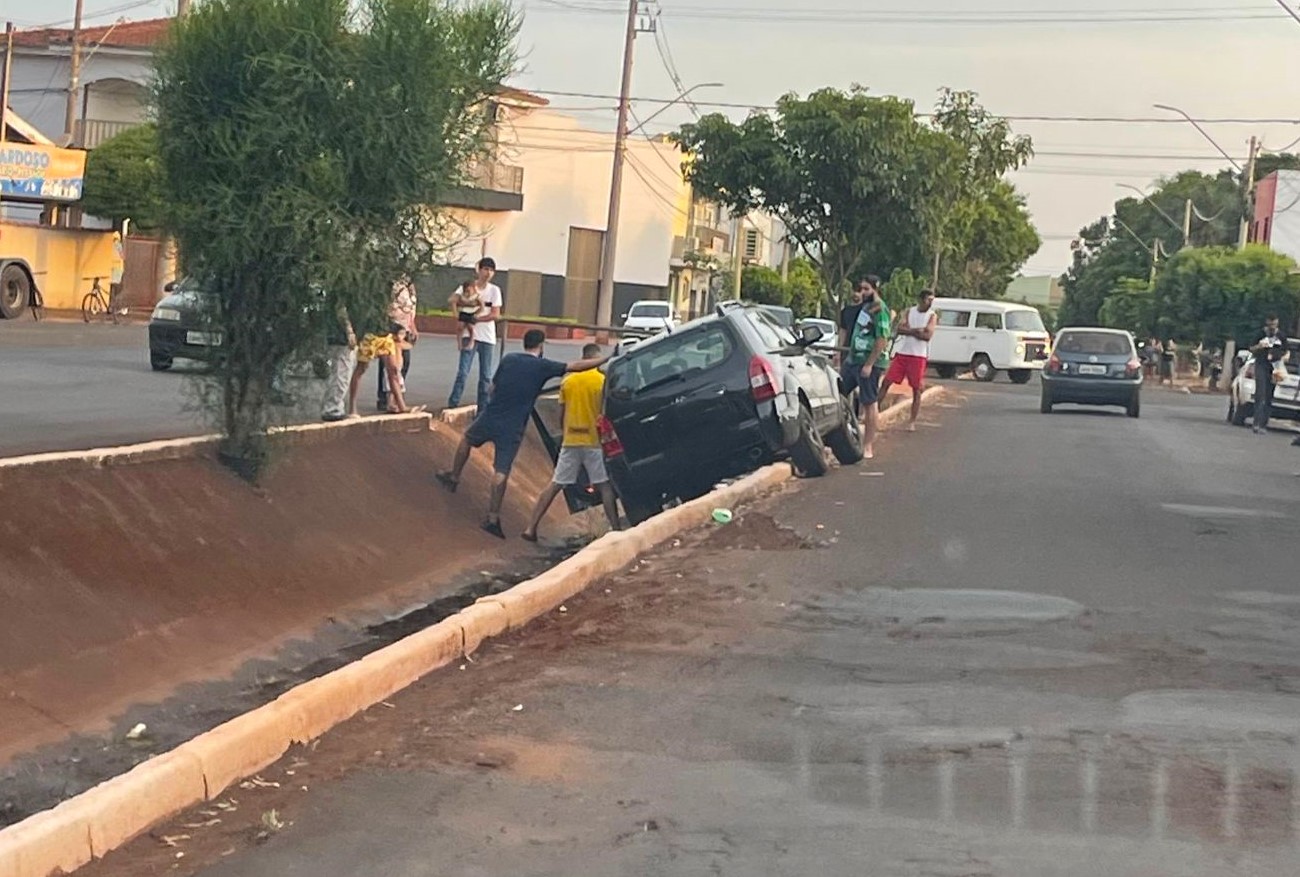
(1241, 394)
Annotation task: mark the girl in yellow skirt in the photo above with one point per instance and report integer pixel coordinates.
(387, 350)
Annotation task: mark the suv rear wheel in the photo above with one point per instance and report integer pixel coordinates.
(846, 442)
(809, 451)
(1243, 412)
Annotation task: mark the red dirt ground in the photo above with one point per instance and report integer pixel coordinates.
(120, 584)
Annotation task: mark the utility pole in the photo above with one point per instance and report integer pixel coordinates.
(737, 257)
(182, 7)
(1248, 196)
(605, 296)
(4, 81)
(74, 75)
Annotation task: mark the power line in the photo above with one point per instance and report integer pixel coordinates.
(907, 17)
(1019, 117)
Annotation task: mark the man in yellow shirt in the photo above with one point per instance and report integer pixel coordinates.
(581, 398)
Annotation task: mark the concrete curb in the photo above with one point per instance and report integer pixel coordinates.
(459, 417)
(197, 446)
(92, 824)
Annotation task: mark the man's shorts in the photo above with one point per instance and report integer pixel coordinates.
(868, 385)
(574, 460)
(909, 369)
(505, 443)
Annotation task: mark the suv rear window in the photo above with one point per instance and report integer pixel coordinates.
(668, 358)
(1099, 343)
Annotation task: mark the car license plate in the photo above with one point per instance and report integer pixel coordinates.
(1092, 369)
(203, 339)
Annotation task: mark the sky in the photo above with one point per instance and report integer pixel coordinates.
(1215, 59)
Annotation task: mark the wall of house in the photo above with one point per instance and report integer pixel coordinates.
(1284, 228)
(40, 85)
(60, 258)
(566, 186)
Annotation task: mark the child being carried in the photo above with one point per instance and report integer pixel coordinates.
(467, 304)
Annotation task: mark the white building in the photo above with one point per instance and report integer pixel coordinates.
(539, 209)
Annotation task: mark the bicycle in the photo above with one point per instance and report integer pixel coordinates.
(97, 303)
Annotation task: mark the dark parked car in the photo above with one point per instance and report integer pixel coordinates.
(715, 399)
(181, 327)
(178, 328)
(1093, 366)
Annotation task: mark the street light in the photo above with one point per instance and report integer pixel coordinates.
(1247, 173)
(605, 294)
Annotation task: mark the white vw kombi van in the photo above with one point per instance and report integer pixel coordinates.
(988, 337)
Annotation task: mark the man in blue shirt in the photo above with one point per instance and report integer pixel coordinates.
(519, 380)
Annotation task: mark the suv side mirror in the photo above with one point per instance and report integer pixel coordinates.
(810, 334)
(170, 287)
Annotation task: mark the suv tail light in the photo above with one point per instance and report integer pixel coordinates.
(1054, 364)
(762, 380)
(1133, 367)
(609, 440)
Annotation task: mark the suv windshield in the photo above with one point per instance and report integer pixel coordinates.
(649, 310)
(1098, 343)
(668, 359)
(1025, 321)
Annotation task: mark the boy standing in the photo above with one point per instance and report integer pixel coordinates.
(581, 397)
(912, 353)
(867, 360)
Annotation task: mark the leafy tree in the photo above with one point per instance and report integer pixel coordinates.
(303, 145)
(983, 206)
(1131, 306)
(763, 286)
(804, 286)
(856, 179)
(998, 237)
(1214, 293)
(123, 179)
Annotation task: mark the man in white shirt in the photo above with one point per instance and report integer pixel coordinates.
(912, 352)
(485, 337)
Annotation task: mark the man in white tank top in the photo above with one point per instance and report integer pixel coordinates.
(912, 352)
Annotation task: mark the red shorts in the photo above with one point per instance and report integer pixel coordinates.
(909, 369)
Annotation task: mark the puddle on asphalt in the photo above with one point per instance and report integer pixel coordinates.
(40, 780)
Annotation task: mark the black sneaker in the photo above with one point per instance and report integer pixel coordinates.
(494, 527)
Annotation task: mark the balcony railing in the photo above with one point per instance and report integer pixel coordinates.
(491, 186)
(92, 132)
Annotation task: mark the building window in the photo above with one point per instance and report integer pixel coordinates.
(752, 240)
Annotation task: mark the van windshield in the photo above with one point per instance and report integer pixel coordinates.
(1025, 321)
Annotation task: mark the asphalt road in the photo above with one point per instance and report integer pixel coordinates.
(70, 386)
(1013, 644)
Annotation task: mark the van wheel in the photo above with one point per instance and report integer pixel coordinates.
(1020, 375)
(846, 442)
(1135, 406)
(982, 368)
(1045, 403)
(947, 372)
(809, 451)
